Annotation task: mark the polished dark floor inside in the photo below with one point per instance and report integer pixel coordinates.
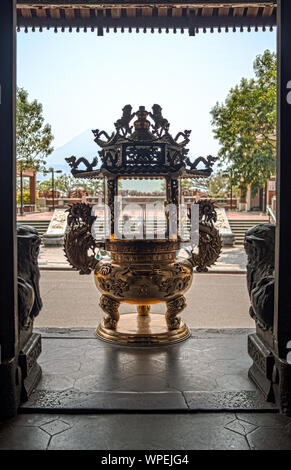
(201, 431)
(207, 371)
(192, 395)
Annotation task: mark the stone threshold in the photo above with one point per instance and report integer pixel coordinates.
(71, 401)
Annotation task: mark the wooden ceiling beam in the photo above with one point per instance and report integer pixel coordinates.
(69, 14)
(238, 11)
(85, 13)
(150, 21)
(146, 3)
(55, 13)
(210, 14)
(268, 11)
(119, 2)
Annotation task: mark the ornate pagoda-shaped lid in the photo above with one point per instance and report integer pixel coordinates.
(145, 148)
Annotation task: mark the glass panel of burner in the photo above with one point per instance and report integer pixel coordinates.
(142, 204)
(101, 227)
(190, 190)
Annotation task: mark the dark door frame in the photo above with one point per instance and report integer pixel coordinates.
(9, 370)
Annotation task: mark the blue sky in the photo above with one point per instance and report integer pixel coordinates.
(84, 80)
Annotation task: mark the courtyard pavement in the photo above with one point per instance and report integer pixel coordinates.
(213, 301)
(232, 260)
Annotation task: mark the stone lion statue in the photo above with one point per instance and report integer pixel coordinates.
(29, 300)
(260, 249)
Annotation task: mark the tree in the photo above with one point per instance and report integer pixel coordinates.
(25, 184)
(218, 185)
(63, 183)
(197, 183)
(46, 185)
(25, 196)
(33, 136)
(245, 126)
(66, 183)
(92, 186)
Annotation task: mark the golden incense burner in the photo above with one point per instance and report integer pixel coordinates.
(142, 270)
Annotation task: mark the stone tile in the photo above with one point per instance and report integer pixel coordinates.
(235, 382)
(36, 420)
(23, 438)
(60, 367)
(215, 419)
(148, 432)
(110, 368)
(274, 420)
(137, 401)
(88, 333)
(191, 381)
(71, 399)
(95, 383)
(227, 400)
(240, 427)
(270, 438)
(145, 383)
(69, 342)
(56, 426)
(55, 382)
(118, 357)
(140, 366)
(200, 364)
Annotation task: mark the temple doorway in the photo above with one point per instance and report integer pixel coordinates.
(92, 380)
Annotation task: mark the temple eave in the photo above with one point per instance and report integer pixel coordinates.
(144, 14)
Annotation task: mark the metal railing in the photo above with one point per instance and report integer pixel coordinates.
(271, 214)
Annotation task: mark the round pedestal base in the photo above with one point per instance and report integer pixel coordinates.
(143, 330)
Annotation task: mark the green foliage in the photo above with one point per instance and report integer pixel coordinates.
(218, 185)
(45, 185)
(25, 183)
(26, 197)
(91, 186)
(187, 183)
(245, 126)
(33, 137)
(197, 183)
(65, 183)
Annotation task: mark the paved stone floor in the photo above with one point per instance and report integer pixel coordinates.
(210, 359)
(192, 395)
(150, 431)
(233, 259)
(236, 215)
(209, 371)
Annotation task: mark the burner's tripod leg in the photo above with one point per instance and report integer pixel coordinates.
(143, 310)
(110, 307)
(174, 307)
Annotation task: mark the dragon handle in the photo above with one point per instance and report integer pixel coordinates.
(210, 242)
(79, 241)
